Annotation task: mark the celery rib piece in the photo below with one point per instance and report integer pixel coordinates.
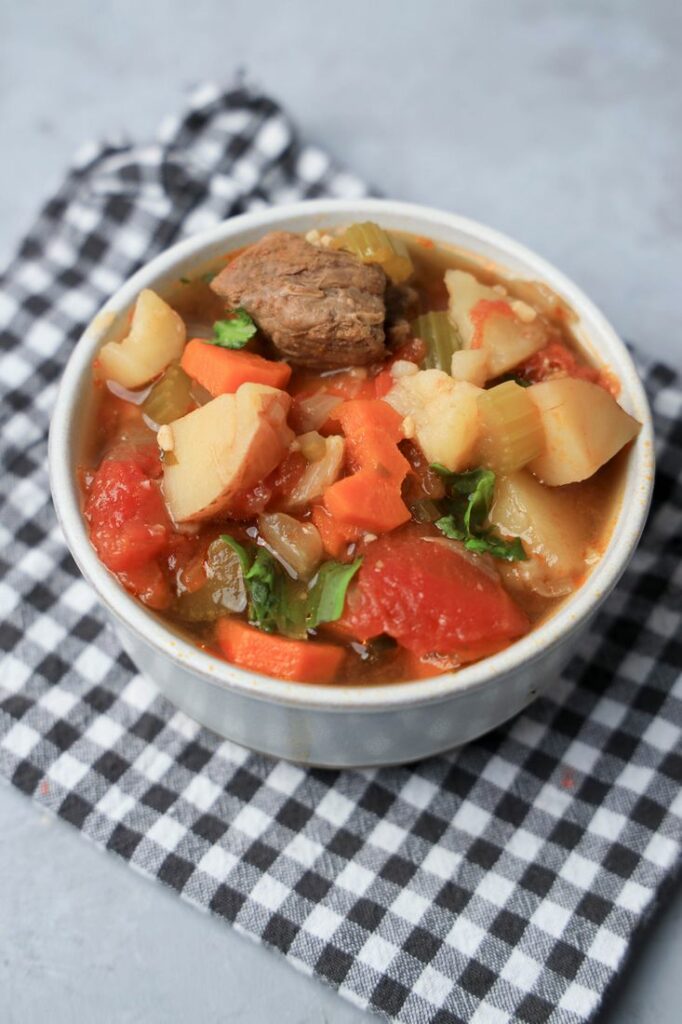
(170, 398)
(441, 338)
(512, 432)
(374, 245)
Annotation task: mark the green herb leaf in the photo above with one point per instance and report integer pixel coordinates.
(235, 331)
(264, 583)
(240, 550)
(447, 525)
(263, 578)
(468, 503)
(327, 595)
(278, 604)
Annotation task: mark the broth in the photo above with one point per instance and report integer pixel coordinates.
(119, 425)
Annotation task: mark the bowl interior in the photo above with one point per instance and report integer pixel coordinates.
(592, 330)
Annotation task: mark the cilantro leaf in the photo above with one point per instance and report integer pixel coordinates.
(264, 584)
(235, 331)
(278, 604)
(263, 578)
(240, 551)
(327, 595)
(467, 506)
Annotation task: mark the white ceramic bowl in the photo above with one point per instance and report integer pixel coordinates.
(334, 725)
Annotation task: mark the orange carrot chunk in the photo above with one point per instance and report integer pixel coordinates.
(335, 536)
(373, 430)
(369, 500)
(302, 661)
(222, 370)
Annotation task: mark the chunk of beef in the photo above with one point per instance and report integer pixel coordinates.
(319, 307)
(401, 307)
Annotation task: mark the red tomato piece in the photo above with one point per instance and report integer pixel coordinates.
(149, 583)
(283, 479)
(480, 314)
(431, 595)
(129, 525)
(556, 360)
(250, 503)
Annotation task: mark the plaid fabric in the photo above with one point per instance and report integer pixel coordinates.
(500, 883)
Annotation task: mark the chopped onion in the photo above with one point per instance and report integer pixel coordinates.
(297, 545)
(319, 475)
(314, 410)
(135, 397)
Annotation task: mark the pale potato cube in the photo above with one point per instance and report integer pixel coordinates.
(224, 447)
(470, 364)
(156, 338)
(443, 415)
(583, 426)
(486, 320)
(545, 520)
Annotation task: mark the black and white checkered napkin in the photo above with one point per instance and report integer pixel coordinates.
(501, 883)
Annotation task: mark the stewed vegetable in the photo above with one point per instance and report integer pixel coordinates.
(350, 458)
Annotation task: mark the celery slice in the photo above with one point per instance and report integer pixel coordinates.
(441, 338)
(170, 398)
(223, 592)
(511, 428)
(374, 245)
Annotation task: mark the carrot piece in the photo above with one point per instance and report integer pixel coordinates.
(373, 430)
(335, 536)
(371, 498)
(222, 370)
(302, 661)
(367, 499)
(383, 383)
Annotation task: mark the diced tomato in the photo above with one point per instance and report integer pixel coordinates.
(481, 312)
(129, 525)
(413, 351)
(431, 596)
(283, 479)
(557, 360)
(149, 583)
(250, 503)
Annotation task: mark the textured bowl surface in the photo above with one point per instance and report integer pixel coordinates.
(334, 725)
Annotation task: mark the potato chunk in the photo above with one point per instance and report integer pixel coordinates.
(552, 536)
(444, 415)
(487, 320)
(583, 425)
(156, 338)
(222, 448)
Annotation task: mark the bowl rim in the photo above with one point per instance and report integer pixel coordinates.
(574, 612)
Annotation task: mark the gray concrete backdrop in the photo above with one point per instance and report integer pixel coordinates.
(556, 122)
